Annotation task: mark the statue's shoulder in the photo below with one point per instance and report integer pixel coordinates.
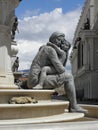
(50, 49)
(47, 47)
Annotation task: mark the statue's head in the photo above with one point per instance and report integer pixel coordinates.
(58, 39)
(16, 19)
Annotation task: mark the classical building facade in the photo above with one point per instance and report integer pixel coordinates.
(84, 56)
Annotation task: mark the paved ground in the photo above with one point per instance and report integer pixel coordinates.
(88, 125)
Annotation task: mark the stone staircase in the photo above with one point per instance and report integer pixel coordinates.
(45, 111)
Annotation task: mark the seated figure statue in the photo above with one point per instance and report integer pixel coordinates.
(53, 57)
(47, 70)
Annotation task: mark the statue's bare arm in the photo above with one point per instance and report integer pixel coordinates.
(55, 61)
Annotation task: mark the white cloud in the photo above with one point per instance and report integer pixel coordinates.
(31, 12)
(35, 31)
(27, 51)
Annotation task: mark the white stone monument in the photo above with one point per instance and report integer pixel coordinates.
(7, 14)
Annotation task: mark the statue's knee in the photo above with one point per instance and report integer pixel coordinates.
(43, 69)
(69, 76)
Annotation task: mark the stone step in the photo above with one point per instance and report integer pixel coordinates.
(92, 110)
(5, 95)
(40, 109)
(63, 117)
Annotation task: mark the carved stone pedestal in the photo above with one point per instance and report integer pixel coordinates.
(7, 17)
(6, 76)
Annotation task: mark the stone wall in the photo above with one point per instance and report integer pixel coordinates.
(86, 76)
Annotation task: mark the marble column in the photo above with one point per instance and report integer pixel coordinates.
(7, 9)
(92, 14)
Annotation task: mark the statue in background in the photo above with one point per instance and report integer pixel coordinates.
(87, 24)
(14, 28)
(50, 61)
(15, 65)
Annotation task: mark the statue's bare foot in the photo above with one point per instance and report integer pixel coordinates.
(38, 87)
(77, 108)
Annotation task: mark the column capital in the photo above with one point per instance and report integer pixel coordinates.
(7, 11)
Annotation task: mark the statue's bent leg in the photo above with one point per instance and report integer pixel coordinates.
(44, 72)
(50, 82)
(71, 94)
(70, 89)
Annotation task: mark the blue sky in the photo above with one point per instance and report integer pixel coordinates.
(38, 19)
(41, 6)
